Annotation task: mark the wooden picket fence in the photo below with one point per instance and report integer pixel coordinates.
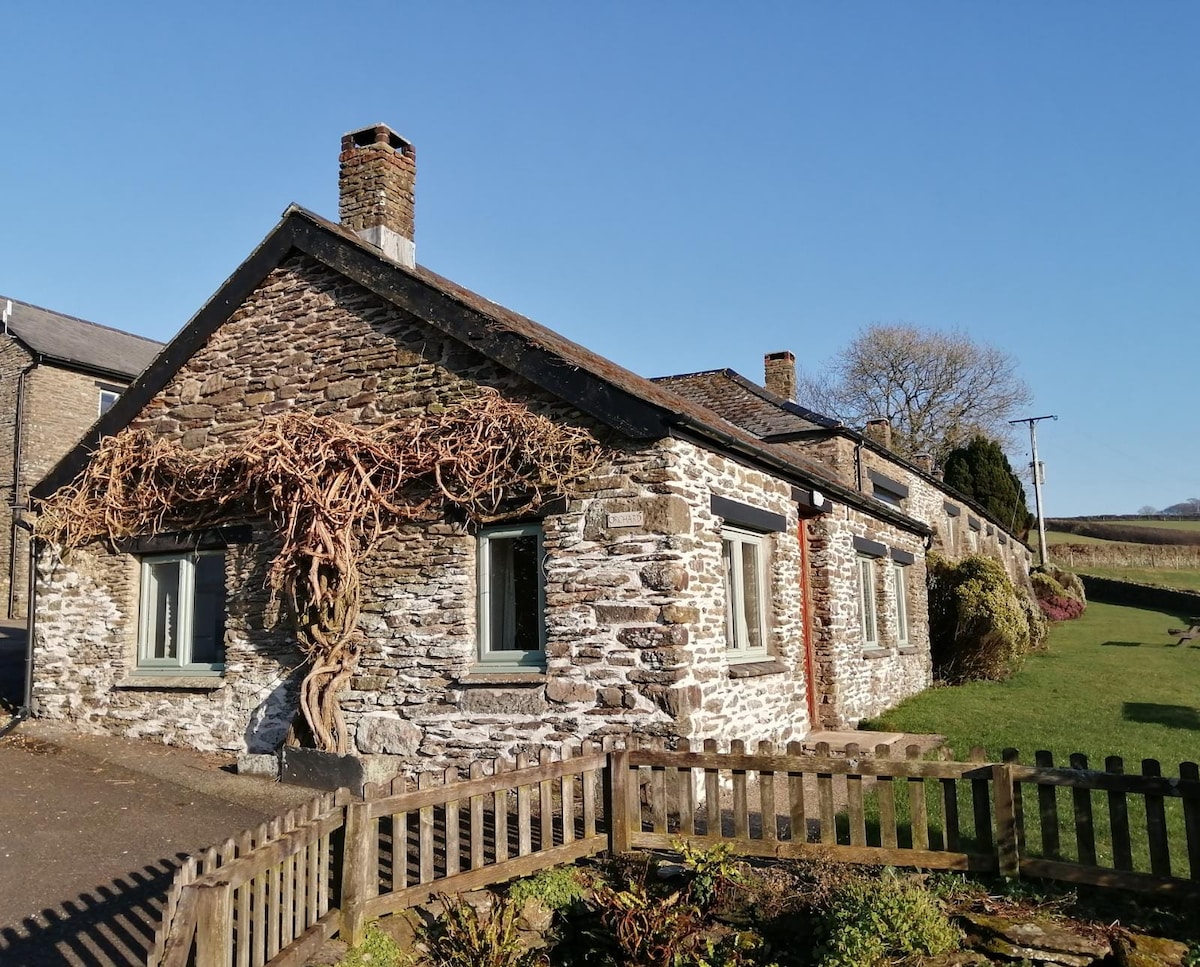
(272, 894)
(263, 896)
(1139, 832)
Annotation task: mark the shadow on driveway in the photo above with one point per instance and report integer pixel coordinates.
(12, 663)
(109, 925)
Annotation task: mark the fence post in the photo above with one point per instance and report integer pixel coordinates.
(359, 877)
(214, 924)
(1007, 855)
(616, 801)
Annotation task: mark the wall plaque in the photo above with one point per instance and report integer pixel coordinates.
(629, 518)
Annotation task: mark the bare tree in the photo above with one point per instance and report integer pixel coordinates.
(937, 389)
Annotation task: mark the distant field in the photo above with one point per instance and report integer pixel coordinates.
(1163, 577)
(1180, 525)
(1058, 537)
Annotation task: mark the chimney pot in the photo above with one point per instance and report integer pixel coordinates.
(377, 177)
(780, 369)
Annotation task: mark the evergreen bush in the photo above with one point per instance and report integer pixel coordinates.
(978, 623)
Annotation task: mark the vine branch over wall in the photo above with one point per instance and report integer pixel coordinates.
(330, 490)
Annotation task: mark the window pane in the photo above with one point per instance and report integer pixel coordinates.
(866, 570)
(752, 606)
(162, 623)
(730, 594)
(514, 623)
(208, 616)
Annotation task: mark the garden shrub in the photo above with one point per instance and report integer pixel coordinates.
(711, 872)
(1059, 593)
(377, 950)
(558, 888)
(887, 920)
(978, 625)
(462, 937)
(1039, 624)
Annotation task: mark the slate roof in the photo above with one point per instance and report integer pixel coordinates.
(631, 404)
(746, 404)
(79, 344)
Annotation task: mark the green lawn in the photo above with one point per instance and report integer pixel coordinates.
(1110, 683)
(1164, 577)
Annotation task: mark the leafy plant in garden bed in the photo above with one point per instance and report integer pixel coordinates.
(707, 908)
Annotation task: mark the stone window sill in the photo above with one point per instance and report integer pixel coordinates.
(909, 650)
(195, 683)
(870, 654)
(756, 669)
(532, 677)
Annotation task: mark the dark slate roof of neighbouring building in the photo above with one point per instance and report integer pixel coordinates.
(746, 404)
(79, 344)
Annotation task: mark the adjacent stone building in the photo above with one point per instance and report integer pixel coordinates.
(709, 582)
(57, 375)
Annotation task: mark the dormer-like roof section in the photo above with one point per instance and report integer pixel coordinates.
(78, 344)
(746, 404)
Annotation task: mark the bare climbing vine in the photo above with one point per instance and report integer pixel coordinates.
(330, 490)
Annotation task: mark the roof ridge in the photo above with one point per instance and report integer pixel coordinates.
(86, 322)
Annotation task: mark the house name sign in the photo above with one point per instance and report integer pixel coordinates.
(629, 518)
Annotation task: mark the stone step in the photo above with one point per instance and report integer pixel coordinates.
(896, 742)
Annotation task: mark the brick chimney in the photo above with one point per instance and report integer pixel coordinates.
(781, 374)
(880, 431)
(377, 175)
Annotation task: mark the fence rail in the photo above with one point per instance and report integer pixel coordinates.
(271, 894)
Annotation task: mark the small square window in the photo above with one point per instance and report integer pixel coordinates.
(900, 579)
(866, 599)
(746, 599)
(512, 597)
(182, 622)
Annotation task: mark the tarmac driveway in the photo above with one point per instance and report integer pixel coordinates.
(91, 832)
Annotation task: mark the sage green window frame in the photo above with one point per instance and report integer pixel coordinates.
(868, 607)
(900, 583)
(741, 628)
(184, 621)
(490, 655)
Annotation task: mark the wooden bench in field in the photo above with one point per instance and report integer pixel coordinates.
(1190, 633)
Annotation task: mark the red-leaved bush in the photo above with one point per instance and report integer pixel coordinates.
(1059, 593)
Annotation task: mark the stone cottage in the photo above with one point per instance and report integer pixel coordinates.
(861, 460)
(57, 375)
(709, 582)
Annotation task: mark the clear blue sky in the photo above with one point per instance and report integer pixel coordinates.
(679, 186)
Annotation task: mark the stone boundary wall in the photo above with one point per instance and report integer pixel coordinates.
(1177, 556)
(1184, 604)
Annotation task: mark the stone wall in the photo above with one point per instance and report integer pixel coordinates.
(856, 682)
(635, 615)
(1113, 554)
(635, 604)
(954, 536)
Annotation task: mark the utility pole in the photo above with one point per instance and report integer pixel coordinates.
(1037, 483)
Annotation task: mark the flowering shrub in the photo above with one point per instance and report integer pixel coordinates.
(1059, 593)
